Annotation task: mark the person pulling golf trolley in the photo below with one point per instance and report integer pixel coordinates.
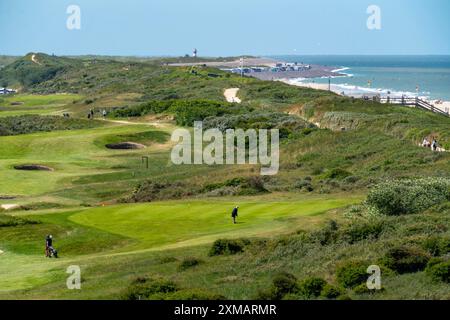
(49, 250)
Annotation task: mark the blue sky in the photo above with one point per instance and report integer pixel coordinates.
(225, 27)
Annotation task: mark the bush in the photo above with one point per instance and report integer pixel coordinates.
(439, 270)
(241, 186)
(331, 292)
(311, 287)
(405, 259)
(337, 173)
(352, 274)
(227, 247)
(437, 246)
(10, 221)
(363, 230)
(283, 284)
(148, 191)
(188, 263)
(144, 288)
(326, 235)
(408, 196)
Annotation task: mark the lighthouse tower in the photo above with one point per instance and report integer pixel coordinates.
(194, 53)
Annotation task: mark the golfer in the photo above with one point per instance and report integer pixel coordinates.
(48, 245)
(234, 214)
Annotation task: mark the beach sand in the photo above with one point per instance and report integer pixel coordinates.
(442, 105)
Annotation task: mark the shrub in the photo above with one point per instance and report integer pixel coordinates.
(311, 287)
(148, 191)
(405, 259)
(439, 270)
(363, 230)
(408, 196)
(240, 186)
(304, 184)
(351, 179)
(326, 235)
(283, 284)
(362, 289)
(437, 246)
(337, 173)
(188, 263)
(143, 288)
(331, 292)
(227, 247)
(352, 274)
(10, 221)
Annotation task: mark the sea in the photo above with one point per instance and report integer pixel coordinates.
(425, 76)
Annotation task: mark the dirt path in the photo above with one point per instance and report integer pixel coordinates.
(153, 124)
(33, 58)
(231, 95)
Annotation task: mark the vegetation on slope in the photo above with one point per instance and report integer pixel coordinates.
(34, 123)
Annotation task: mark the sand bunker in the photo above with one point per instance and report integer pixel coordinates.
(33, 167)
(1, 252)
(9, 206)
(125, 146)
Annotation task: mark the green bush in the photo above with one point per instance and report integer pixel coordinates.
(188, 263)
(337, 173)
(405, 259)
(352, 274)
(10, 221)
(439, 270)
(331, 292)
(144, 288)
(408, 196)
(437, 246)
(311, 287)
(227, 247)
(327, 235)
(252, 185)
(359, 231)
(283, 284)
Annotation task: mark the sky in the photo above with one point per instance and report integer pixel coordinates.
(224, 27)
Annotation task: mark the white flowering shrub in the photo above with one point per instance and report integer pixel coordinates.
(400, 197)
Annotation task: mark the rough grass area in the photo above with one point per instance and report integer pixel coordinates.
(26, 124)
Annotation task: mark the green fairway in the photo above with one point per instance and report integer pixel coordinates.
(171, 224)
(22, 104)
(100, 234)
(73, 154)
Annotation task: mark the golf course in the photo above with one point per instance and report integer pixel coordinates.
(354, 189)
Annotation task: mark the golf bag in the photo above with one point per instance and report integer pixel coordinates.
(53, 252)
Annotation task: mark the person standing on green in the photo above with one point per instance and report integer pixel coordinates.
(234, 214)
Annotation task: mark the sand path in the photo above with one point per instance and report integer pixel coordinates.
(33, 58)
(231, 95)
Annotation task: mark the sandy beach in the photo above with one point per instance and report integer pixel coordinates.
(442, 105)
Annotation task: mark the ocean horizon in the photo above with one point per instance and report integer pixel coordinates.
(427, 76)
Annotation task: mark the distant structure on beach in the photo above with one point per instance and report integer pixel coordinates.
(195, 53)
(6, 91)
(279, 67)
